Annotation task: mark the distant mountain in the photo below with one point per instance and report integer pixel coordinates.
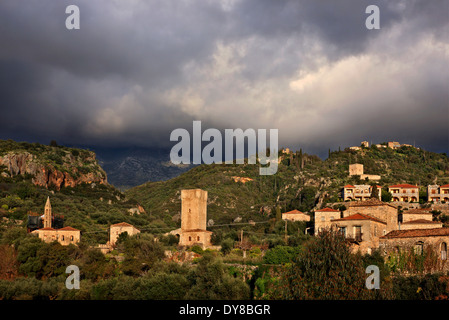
(130, 167)
(50, 166)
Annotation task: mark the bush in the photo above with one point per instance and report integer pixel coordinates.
(325, 269)
(281, 255)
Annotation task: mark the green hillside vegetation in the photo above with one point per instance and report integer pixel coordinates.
(64, 159)
(249, 268)
(88, 207)
(302, 182)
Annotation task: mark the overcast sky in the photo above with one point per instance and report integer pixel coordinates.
(136, 70)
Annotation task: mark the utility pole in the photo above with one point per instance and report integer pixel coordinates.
(285, 236)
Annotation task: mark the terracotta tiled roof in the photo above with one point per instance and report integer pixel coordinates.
(421, 221)
(404, 186)
(359, 216)
(416, 233)
(294, 212)
(349, 186)
(327, 209)
(369, 202)
(417, 211)
(47, 229)
(68, 229)
(445, 186)
(122, 224)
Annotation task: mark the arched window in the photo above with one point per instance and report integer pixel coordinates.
(197, 238)
(190, 238)
(443, 250)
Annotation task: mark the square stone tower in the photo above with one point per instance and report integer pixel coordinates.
(356, 169)
(193, 219)
(193, 209)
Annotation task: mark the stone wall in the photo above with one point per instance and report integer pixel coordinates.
(386, 213)
(193, 209)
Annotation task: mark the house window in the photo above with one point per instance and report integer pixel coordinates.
(62, 238)
(418, 248)
(71, 238)
(197, 238)
(343, 230)
(190, 238)
(443, 251)
(358, 233)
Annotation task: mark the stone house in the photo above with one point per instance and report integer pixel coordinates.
(295, 215)
(116, 229)
(436, 193)
(416, 240)
(324, 217)
(362, 231)
(359, 192)
(415, 214)
(420, 224)
(404, 192)
(393, 144)
(377, 209)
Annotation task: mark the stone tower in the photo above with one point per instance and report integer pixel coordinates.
(193, 219)
(47, 214)
(193, 209)
(356, 169)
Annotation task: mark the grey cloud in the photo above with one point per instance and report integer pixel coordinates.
(135, 71)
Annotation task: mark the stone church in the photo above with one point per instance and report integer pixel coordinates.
(49, 232)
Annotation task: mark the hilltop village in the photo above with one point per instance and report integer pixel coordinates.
(367, 223)
(386, 206)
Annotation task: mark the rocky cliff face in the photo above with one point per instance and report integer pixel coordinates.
(46, 174)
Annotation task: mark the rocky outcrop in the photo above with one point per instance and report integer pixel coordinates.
(46, 174)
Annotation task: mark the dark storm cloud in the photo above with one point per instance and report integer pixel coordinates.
(138, 69)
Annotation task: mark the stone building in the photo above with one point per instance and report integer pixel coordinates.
(65, 236)
(47, 214)
(193, 219)
(362, 231)
(356, 169)
(404, 192)
(377, 209)
(436, 193)
(417, 240)
(359, 192)
(415, 214)
(116, 229)
(295, 215)
(420, 224)
(324, 217)
(393, 144)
